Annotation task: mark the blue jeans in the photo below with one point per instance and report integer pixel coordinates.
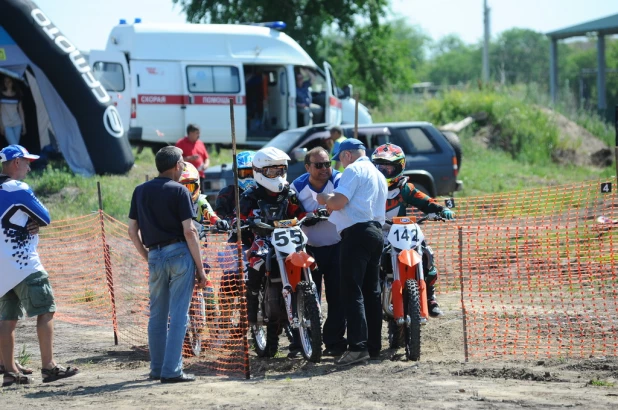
(12, 134)
(171, 281)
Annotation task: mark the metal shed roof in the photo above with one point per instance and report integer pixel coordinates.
(605, 25)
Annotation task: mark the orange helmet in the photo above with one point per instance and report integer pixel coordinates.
(191, 179)
(390, 161)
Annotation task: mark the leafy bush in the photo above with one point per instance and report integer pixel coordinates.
(520, 129)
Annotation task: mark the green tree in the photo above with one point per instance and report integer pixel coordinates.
(305, 19)
(377, 60)
(520, 56)
(453, 62)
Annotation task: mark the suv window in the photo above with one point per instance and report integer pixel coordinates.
(420, 143)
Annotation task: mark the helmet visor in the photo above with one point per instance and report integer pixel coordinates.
(245, 173)
(273, 172)
(192, 187)
(389, 171)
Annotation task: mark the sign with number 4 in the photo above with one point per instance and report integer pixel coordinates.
(606, 187)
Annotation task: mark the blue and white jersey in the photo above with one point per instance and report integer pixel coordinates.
(18, 254)
(323, 233)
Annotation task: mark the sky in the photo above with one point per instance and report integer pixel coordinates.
(87, 23)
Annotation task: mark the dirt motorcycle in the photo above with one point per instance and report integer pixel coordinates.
(404, 296)
(288, 295)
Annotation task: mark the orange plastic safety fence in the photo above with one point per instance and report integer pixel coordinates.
(536, 270)
(99, 279)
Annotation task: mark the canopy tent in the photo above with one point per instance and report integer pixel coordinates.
(64, 104)
(602, 27)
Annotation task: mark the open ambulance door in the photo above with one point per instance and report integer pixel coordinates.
(112, 70)
(333, 113)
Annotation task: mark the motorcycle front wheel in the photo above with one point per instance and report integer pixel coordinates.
(412, 312)
(197, 324)
(310, 329)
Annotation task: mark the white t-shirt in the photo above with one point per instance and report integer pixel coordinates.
(18, 254)
(323, 233)
(366, 190)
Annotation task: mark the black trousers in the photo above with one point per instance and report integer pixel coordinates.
(361, 248)
(327, 258)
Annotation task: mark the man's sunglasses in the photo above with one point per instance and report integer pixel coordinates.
(245, 173)
(272, 172)
(320, 165)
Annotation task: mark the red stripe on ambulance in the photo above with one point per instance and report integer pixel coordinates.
(186, 99)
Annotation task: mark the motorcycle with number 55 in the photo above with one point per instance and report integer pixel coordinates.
(404, 296)
(288, 294)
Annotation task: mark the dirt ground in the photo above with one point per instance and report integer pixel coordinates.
(116, 377)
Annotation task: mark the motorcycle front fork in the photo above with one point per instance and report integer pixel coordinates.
(387, 291)
(287, 289)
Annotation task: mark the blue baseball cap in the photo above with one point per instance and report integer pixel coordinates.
(349, 144)
(16, 151)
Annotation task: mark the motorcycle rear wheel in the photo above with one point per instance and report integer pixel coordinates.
(396, 335)
(266, 339)
(310, 329)
(412, 311)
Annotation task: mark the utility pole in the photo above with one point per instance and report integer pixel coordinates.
(485, 43)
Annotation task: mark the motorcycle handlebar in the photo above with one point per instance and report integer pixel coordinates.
(421, 220)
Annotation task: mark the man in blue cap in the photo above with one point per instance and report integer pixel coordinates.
(24, 283)
(357, 209)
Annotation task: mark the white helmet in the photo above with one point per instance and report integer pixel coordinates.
(270, 168)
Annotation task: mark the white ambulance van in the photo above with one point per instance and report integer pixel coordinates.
(163, 77)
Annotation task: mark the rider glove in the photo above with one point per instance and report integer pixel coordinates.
(447, 214)
(222, 225)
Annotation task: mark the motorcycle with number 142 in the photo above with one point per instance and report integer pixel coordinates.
(404, 296)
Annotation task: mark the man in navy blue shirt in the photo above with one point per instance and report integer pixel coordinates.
(162, 211)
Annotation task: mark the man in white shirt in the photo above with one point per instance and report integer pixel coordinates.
(358, 206)
(323, 244)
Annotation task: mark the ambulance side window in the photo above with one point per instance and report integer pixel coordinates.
(213, 79)
(111, 75)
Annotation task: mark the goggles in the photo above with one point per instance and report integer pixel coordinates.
(387, 170)
(245, 173)
(272, 172)
(192, 186)
(320, 165)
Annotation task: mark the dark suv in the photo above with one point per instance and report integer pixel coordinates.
(431, 162)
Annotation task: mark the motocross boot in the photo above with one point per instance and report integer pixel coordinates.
(432, 303)
(433, 307)
(252, 306)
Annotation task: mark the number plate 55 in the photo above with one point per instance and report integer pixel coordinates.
(405, 236)
(286, 240)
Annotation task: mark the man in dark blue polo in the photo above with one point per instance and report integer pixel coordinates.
(162, 211)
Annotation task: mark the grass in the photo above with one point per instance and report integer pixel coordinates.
(519, 156)
(24, 357)
(600, 383)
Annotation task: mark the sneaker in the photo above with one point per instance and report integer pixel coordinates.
(349, 358)
(294, 351)
(435, 311)
(183, 378)
(333, 351)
